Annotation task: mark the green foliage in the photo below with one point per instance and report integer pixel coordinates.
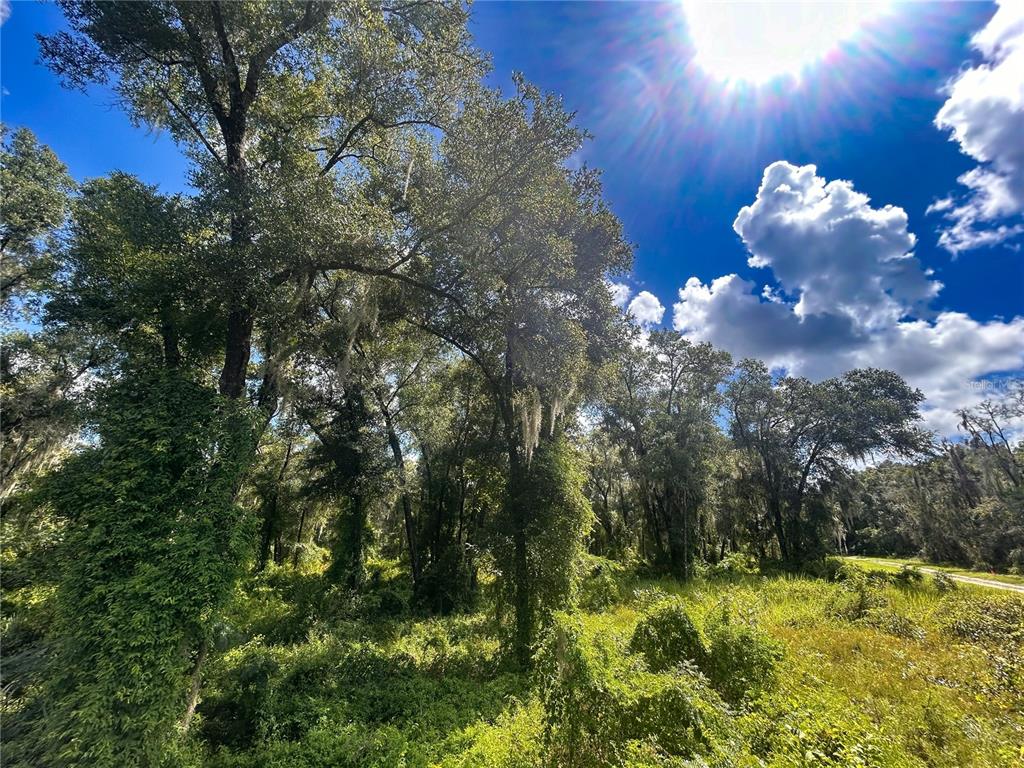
(909, 574)
(514, 740)
(798, 436)
(734, 565)
(559, 517)
(962, 505)
(983, 618)
(660, 416)
(153, 544)
(943, 582)
(790, 734)
(742, 661)
(34, 191)
(600, 703)
(667, 637)
(860, 592)
(602, 585)
(411, 694)
(402, 278)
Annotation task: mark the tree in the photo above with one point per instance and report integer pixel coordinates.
(41, 370)
(661, 409)
(283, 108)
(961, 504)
(801, 435)
(287, 110)
(527, 246)
(34, 194)
(152, 544)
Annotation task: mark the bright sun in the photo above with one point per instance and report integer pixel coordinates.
(758, 41)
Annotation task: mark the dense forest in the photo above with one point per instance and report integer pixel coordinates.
(370, 375)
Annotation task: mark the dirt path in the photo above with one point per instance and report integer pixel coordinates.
(954, 576)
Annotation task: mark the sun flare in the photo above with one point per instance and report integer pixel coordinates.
(756, 41)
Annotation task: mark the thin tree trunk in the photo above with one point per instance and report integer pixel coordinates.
(522, 602)
(270, 515)
(195, 685)
(410, 523)
(298, 538)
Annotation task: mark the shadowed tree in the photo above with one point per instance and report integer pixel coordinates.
(801, 435)
(527, 246)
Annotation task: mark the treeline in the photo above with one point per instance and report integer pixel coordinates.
(379, 324)
(964, 504)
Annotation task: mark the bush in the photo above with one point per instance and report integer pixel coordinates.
(601, 587)
(944, 583)
(514, 740)
(982, 618)
(908, 575)
(734, 564)
(348, 746)
(861, 592)
(600, 703)
(794, 736)
(832, 568)
(742, 661)
(666, 637)
(844, 572)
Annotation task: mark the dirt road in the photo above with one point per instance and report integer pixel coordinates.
(981, 582)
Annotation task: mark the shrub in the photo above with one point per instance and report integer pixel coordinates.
(742, 660)
(983, 618)
(514, 740)
(734, 564)
(599, 703)
(348, 746)
(994, 621)
(861, 592)
(844, 572)
(908, 574)
(602, 586)
(832, 568)
(943, 582)
(798, 736)
(666, 637)
(241, 712)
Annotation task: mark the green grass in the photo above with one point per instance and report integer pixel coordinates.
(1005, 578)
(883, 676)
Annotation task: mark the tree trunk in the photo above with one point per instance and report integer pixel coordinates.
(347, 561)
(237, 348)
(298, 538)
(775, 505)
(270, 521)
(516, 513)
(410, 523)
(195, 685)
(522, 598)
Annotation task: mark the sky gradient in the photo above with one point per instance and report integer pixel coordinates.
(823, 280)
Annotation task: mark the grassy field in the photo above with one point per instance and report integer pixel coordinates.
(884, 563)
(789, 671)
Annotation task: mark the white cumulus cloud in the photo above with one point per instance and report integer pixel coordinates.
(984, 113)
(646, 309)
(849, 294)
(829, 247)
(620, 294)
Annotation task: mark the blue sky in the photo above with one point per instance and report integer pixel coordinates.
(682, 154)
